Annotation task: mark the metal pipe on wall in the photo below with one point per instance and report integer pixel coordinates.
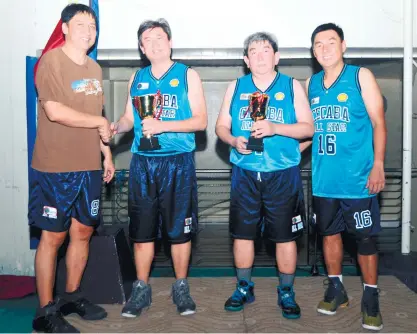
(407, 125)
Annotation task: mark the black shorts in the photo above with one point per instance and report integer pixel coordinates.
(55, 198)
(162, 198)
(359, 216)
(272, 203)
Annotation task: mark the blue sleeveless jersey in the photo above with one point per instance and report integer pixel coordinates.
(279, 152)
(342, 152)
(174, 88)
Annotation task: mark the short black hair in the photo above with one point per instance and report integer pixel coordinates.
(150, 24)
(75, 8)
(325, 27)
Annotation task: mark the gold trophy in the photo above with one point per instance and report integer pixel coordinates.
(147, 107)
(258, 106)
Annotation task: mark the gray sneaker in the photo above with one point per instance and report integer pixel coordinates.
(140, 298)
(181, 297)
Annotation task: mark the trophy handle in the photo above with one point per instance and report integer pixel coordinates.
(158, 98)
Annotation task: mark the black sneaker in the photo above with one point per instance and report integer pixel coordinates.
(50, 320)
(74, 302)
(182, 298)
(244, 294)
(334, 297)
(371, 315)
(287, 303)
(140, 298)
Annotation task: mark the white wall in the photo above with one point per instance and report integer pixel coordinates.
(17, 40)
(27, 25)
(226, 23)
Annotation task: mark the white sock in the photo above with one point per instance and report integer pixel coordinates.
(340, 277)
(371, 286)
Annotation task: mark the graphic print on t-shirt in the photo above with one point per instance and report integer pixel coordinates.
(88, 86)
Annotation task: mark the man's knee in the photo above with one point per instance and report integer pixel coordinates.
(367, 246)
(53, 239)
(80, 232)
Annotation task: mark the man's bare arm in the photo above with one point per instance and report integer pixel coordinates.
(59, 113)
(105, 149)
(224, 123)
(374, 103)
(306, 143)
(304, 127)
(224, 120)
(372, 98)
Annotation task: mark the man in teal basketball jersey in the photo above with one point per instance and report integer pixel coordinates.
(162, 182)
(266, 191)
(347, 167)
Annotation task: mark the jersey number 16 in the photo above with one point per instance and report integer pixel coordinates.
(327, 144)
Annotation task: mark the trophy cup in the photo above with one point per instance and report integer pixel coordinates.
(258, 104)
(146, 106)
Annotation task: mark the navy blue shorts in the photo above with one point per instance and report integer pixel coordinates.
(162, 198)
(359, 216)
(55, 198)
(269, 203)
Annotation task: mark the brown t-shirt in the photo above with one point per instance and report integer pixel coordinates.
(60, 148)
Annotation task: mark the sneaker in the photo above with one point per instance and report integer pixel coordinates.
(371, 316)
(50, 320)
(334, 297)
(286, 301)
(75, 302)
(181, 297)
(140, 298)
(243, 294)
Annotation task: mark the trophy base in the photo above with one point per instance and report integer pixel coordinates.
(149, 144)
(255, 144)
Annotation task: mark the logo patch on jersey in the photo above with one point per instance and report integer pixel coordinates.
(245, 96)
(296, 219)
(143, 85)
(342, 97)
(174, 83)
(297, 224)
(315, 100)
(279, 96)
(187, 225)
(188, 221)
(50, 212)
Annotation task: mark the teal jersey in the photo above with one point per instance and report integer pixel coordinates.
(176, 107)
(279, 152)
(342, 151)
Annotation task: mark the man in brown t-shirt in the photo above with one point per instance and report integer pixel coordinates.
(67, 176)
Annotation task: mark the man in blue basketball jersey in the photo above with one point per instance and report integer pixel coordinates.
(347, 167)
(266, 190)
(162, 182)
